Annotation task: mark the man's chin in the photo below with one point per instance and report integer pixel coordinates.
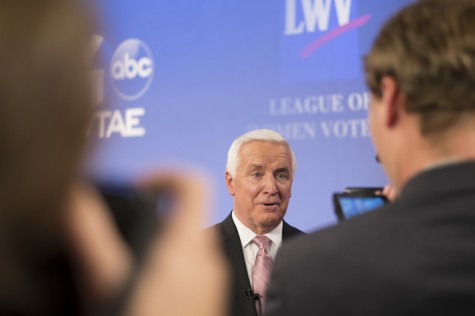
(270, 219)
(270, 209)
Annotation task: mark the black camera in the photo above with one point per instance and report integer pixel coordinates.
(135, 211)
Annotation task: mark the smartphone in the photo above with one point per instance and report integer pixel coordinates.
(356, 201)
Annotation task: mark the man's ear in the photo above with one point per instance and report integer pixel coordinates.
(391, 99)
(229, 183)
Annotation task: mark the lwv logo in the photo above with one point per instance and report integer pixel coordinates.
(315, 15)
(310, 16)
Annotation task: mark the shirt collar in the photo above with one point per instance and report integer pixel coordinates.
(247, 235)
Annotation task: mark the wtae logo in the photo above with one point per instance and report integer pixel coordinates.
(314, 13)
(132, 69)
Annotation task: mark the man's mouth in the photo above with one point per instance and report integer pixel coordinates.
(270, 204)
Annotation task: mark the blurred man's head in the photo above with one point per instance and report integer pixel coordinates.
(259, 175)
(421, 73)
(45, 108)
(45, 102)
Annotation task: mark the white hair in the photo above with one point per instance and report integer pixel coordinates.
(265, 135)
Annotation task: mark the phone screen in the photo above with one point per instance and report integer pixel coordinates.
(351, 204)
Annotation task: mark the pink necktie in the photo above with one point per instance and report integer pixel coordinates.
(261, 271)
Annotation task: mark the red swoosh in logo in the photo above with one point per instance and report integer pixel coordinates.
(313, 46)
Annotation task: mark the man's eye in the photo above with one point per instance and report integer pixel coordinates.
(256, 174)
(282, 176)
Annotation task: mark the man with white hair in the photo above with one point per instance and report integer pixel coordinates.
(259, 175)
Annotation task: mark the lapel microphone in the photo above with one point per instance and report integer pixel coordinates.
(251, 295)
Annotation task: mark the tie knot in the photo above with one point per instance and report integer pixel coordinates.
(262, 242)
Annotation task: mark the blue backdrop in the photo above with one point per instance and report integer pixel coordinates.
(177, 81)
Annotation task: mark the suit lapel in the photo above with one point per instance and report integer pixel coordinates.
(243, 306)
(289, 231)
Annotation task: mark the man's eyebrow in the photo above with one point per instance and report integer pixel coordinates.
(254, 166)
(282, 169)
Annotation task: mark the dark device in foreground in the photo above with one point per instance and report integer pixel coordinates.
(135, 212)
(357, 200)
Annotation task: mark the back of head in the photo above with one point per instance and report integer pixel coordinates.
(45, 107)
(429, 48)
(266, 135)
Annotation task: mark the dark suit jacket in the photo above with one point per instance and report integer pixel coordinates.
(241, 305)
(415, 256)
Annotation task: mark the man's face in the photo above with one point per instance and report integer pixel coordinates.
(388, 127)
(378, 132)
(262, 184)
(374, 124)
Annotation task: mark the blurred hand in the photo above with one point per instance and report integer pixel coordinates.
(185, 273)
(101, 259)
(390, 192)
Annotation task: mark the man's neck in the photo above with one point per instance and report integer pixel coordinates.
(456, 145)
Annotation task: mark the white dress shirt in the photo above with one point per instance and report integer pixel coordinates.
(250, 249)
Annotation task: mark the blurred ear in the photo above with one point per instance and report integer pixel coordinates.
(230, 183)
(391, 98)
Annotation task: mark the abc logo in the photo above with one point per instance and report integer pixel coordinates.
(132, 69)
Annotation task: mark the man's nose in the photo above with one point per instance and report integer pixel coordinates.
(270, 186)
